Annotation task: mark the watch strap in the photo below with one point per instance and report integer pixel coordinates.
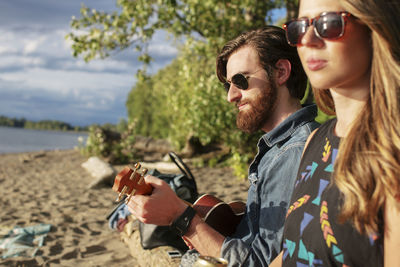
(182, 223)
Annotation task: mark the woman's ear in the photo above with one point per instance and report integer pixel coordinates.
(283, 69)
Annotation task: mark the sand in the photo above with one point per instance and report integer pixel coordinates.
(51, 187)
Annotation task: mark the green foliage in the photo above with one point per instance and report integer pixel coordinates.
(185, 98)
(126, 144)
(96, 144)
(322, 117)
(95, 34)
(240, 164)
(144, 106)
(109, 144)
(308, 99)
(122, 125)
(197, 101)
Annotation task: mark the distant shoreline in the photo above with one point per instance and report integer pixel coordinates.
(41, 124)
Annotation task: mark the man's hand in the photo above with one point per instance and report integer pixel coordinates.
(162, 207)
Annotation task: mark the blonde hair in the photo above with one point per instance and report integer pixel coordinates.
(367, 169)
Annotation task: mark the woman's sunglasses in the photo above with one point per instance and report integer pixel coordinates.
(240, 80)
(328, 25)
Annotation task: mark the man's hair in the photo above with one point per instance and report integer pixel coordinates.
(271, 45)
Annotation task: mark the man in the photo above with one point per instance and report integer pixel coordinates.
(264, 78)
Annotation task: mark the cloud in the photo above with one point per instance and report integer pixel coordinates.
(65, 108)
(39, 78)
(109, 65)
(96, 100)
(5, 49)
(11, 63)
(32, 45)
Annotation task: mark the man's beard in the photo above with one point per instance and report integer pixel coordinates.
(260, 111)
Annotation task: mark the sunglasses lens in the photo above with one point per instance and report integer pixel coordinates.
(330, 26)
(227, 86)
(295, 30)
(240, 81)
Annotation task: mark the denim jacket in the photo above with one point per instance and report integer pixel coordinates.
(258, 237)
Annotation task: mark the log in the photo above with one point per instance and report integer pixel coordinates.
(146, 257)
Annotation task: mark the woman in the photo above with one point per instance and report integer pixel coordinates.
(345, 208)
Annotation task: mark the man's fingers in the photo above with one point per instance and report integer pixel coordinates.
(153, 181)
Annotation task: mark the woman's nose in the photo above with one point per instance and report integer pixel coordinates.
(310, 38)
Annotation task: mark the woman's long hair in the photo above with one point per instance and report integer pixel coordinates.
(367, 169)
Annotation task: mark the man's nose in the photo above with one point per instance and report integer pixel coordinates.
(234, 94)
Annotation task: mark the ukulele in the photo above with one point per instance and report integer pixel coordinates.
(221, 216)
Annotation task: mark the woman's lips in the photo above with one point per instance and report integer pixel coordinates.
(316, 64)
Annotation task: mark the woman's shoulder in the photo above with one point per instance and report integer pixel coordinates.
(319, 134)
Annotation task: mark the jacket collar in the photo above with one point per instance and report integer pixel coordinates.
(286, 128)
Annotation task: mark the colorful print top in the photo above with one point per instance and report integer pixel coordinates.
(312, 235)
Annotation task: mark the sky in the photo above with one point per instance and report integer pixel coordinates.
(39, 77)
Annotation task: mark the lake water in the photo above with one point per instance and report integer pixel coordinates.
(16, 140)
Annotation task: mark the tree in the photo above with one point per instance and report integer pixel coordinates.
(184, 98)
(95, 34)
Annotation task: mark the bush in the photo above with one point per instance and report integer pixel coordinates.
(109, 144)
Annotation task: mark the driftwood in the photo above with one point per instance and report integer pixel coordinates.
(148, 144)
(151, 150)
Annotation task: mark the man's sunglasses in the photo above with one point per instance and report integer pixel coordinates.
(240, 80)
(328, 25)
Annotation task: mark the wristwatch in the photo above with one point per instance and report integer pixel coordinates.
(182, 223)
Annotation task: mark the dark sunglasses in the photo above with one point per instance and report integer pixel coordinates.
(328, 25)
(240, 80)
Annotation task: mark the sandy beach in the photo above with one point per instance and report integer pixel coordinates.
(51, 187)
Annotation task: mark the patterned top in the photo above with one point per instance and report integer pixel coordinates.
(312, 235)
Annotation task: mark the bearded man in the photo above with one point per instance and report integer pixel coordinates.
(263, 76)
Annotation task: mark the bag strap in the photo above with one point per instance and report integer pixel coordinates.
(181, 165)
